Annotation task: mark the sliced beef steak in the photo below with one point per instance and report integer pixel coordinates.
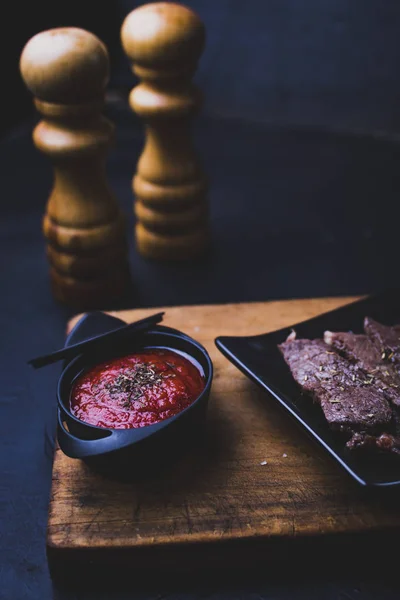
(365, 441)
(386, 339)
(349, 397)
(359, 349)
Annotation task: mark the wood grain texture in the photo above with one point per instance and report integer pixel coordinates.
(164, 41)
(219, 494)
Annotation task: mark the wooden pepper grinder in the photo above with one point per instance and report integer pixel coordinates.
(164, 42)
(67, 70)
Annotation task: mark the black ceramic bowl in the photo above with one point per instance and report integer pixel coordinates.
(128, 449)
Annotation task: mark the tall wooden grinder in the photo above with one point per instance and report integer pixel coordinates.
(164, 41)
(67, 70)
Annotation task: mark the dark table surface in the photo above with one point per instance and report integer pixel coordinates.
(294, 214)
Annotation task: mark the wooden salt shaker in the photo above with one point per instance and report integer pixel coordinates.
(67, 70)
(164, 42)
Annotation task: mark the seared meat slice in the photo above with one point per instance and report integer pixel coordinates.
(350, 399)
(360, 350)
(384, 442)
(385, 339)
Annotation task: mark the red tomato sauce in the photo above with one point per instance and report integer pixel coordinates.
(136, 390)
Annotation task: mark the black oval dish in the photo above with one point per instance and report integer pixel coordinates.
(124, 452)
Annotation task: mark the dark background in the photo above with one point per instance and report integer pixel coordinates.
(299, 138)
(319, 63)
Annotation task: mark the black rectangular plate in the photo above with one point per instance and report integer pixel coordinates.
(259, 358)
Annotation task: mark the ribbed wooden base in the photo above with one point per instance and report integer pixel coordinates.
(91, 294)
(171, 247)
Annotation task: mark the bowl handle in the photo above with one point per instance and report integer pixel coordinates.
(76, 447)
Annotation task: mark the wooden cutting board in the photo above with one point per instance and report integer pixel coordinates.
(219, 504)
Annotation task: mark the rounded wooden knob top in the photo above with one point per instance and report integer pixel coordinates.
(165, 35)
(65, 65)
